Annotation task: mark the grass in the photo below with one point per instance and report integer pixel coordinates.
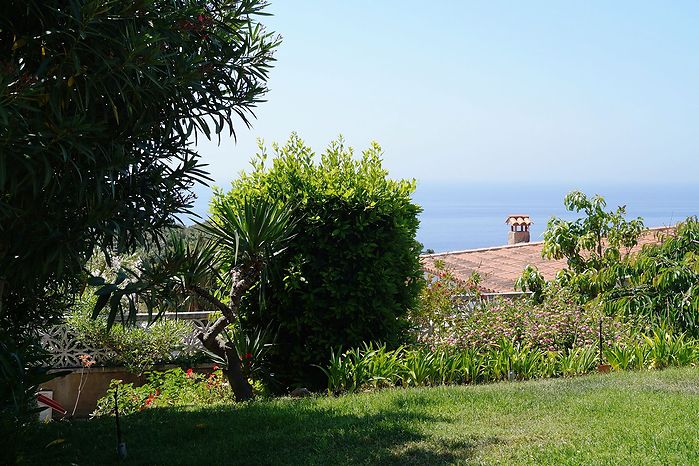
(649, 417)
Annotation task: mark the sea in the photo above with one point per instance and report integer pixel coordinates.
(458, 216)
(467, 215)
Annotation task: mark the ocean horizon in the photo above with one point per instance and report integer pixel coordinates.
(470, 215)
(457, 216)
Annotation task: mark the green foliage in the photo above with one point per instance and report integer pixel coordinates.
(135, 347)
(173, 387)
(589, 244)
(666, 349)
(99, 103)
(660, 349)
(626, 357)
(22, 370)
(252, 229)
(352, 270)
(656, 286)
(660, 284)
(372, 366)
(531, 280)
(442, 299)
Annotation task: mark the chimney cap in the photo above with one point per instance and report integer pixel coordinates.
(518, 219)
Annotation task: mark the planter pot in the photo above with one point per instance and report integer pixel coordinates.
(604, 368)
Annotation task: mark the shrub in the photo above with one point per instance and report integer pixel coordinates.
(554, 324)
(137, 348)
(659, 286)
(353, 269)
(173, 387)
(441, 298)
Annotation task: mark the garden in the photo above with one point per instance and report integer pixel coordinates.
(442, 373)
(295, 323)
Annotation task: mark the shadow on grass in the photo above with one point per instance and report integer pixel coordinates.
(298, 432)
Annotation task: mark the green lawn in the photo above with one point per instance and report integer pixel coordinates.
(625, 418)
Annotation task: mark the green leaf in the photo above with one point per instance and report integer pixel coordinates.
(99, 305)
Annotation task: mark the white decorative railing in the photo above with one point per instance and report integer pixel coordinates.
(65, 349)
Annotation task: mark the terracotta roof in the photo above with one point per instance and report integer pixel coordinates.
(499, 267)
(518, 219)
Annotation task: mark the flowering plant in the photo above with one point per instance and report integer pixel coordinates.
(556, 324)
(442, 296)
(174, 387)
(553, 322)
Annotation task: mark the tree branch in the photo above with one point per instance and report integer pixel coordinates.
(211, 299)
(209, 338)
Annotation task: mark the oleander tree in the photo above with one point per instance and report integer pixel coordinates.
(100, 102)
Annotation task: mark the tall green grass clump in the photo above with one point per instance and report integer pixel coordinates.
(373, 366)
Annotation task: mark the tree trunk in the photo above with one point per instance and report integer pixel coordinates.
(241, 281)
(240, 385)
(233, 372)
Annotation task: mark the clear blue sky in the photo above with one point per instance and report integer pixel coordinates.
(490, 91)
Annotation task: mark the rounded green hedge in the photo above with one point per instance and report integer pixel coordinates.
(351, 272)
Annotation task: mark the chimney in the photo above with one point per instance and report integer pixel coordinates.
(519, 228)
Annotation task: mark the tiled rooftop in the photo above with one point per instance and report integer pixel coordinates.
(499, 267)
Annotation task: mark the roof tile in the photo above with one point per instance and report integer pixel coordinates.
(499, 267)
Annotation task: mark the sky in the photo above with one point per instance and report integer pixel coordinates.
(486, 92)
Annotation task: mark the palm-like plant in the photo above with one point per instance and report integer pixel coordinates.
(248, 237)
(186, 275)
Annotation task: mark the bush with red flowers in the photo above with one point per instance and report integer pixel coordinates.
(174, 387)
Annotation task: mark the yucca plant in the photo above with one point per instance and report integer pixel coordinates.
(240, 243)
